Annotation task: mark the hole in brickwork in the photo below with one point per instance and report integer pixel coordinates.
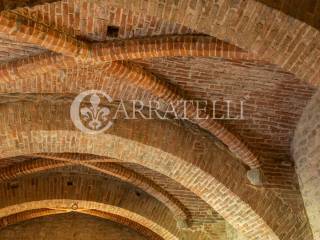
(13, 185)
(112, 31)
(33, 182)
(69, 183)
(137, 193)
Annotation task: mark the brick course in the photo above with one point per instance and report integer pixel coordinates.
(70, 30)
(100, 194)
(69, 46)
(224, 201)
(306, 152)
(79, 227)
(251, 25)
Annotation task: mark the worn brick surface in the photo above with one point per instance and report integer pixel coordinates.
(307, 11)
(99, 193)
(306, 151)
(253, 35)
(250, 25)
(224, 201)
(273, 99)
(90, 20)
(80, 227)
(134, 74)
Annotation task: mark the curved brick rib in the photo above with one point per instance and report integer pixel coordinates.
(29, 167)
(145, 184)
(26, 30)
(218, 178)
(50, 162)
(169, 93)
(36, 213)
(124, 221)
(293, 50)
(101, 194)
(28, 210)
(68, 157)
(134, 74)
(34, 66)
(167, 46)
(137, 76)
(186, 46)
(219, 196)
(27, 215)
(265, 32)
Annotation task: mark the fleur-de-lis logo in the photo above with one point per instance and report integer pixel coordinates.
(94, 116)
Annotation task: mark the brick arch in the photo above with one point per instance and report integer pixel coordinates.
(167, 46)
(38, 213)
(28, 30)
(131, 49)
(306, 153)
(248, 24)
(306, 38)
(85, 192)
(137, 77)
(113, 213)
(220, 183)
(145, 155)
(29, 167)
(269, 33)
(90, 194)
(308, 10)
(48, 162)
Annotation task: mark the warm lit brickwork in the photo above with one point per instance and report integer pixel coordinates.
(306, 149)
(249, 24)
(273, 99)
(111, 169)
(134, 74)
(90, 20)
(200, 211)
(195, 179)
(143, 210)
(10, 50)
(273, 103)
(13, 4)
(307, 11)
(173, 162)
(83, 228)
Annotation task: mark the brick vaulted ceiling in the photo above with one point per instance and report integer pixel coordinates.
(156, 179)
